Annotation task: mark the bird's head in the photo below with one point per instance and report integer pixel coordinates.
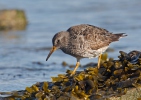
(59, 40)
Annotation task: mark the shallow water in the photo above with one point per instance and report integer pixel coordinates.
(23, 53)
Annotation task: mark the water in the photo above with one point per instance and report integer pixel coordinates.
(23, 53)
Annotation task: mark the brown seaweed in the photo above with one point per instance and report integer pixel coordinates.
(114, 78)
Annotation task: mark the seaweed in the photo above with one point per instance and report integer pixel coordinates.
(114, 78)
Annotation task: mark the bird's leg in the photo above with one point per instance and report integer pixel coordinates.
(99, 58)
(77, 65)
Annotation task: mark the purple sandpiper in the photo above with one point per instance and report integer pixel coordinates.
(84, 41)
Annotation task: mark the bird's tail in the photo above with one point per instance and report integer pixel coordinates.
(121, 35)
(117, 36)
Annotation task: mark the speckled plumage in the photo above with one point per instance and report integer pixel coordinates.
(84, 41)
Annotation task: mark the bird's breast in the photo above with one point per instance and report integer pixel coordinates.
(73, 51)
(83, 53)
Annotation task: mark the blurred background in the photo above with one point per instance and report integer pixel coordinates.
(23, 52)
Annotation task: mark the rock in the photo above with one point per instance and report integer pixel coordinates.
(12, 20)
(132, 94)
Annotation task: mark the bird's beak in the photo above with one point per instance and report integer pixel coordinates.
(51, 51)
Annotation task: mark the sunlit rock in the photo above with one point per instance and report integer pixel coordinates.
(12, 20)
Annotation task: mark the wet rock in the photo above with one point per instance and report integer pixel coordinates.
(12, 19)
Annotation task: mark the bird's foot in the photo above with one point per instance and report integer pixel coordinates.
(72, 73)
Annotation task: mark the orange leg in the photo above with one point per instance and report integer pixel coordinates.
(77, 65)
(99, 58)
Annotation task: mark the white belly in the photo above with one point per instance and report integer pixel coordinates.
(94, 53)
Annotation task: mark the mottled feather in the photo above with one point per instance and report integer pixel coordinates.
(84, 40)
(94, 36)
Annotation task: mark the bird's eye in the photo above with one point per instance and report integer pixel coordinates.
(58, 41)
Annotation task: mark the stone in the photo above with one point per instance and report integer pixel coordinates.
(12, 20)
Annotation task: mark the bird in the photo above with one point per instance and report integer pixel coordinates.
(84, 41)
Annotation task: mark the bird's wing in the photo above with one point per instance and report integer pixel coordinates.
(94, 36)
